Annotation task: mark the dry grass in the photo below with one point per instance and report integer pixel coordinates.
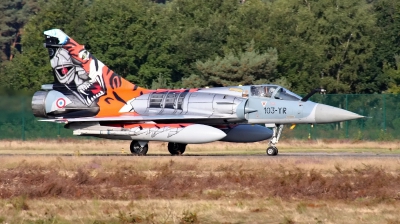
(202, 190)
(182, 179)
(37, 189)
(83, 146)
(204, 164)
(266, 210)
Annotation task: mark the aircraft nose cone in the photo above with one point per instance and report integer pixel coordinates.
(329, 114)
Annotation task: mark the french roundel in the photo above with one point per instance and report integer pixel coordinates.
(60, 103)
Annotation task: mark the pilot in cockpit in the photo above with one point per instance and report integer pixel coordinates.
(270, 92)
(267, 92)
(254, 91)
(262, 91)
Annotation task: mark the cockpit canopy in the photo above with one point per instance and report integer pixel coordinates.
(273, 91)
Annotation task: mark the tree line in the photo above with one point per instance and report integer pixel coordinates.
(345, 46)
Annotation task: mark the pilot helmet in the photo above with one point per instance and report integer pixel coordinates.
(271, 90)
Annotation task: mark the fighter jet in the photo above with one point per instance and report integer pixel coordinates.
(92, 100)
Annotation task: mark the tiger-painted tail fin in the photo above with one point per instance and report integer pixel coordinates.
(88, 79)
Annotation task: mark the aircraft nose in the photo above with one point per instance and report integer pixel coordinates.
(329, 114)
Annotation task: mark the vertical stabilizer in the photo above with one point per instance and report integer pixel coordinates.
(88, 79)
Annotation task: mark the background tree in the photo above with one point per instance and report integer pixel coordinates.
(393, 73)
(244, 68)
(387, 41)
(200, 32)
(348, 46)
(322, 42)
(13, 16)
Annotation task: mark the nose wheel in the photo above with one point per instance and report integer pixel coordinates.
(272, 150)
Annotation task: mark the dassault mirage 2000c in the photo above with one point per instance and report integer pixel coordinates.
(92, 100)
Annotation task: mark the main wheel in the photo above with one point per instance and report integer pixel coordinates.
(176, 148)
(137, 149)
(272, 151)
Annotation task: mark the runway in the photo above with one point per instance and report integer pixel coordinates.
(300, 154)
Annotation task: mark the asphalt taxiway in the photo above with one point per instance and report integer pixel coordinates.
(300, 154)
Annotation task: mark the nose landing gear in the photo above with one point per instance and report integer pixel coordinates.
(272, 150)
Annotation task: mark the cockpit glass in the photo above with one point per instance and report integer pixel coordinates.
(274, 91)
(263, 91)
(285, 94)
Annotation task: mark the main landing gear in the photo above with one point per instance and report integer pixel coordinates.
(272, 150)
(139, 148)
(176, 149)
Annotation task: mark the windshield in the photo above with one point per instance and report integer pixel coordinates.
(274, 91)
(285, 94)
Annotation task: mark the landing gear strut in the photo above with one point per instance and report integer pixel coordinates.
(139, 148)
(272, 150)
(176, 148)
